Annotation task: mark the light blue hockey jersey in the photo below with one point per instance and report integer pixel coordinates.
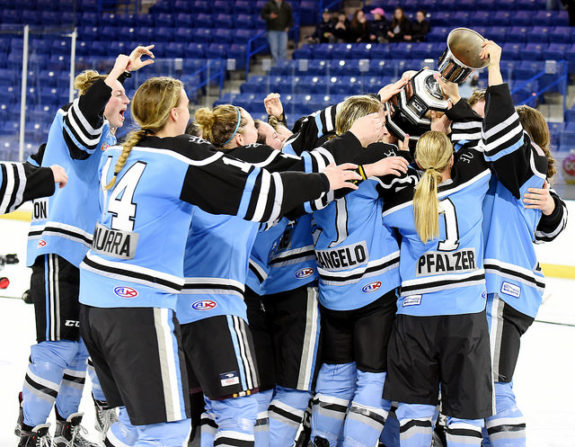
(215, 267)
(511, 267)
(63, 223)
(444, 276)
(137, 256)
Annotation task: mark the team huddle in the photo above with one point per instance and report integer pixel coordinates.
(328, 285)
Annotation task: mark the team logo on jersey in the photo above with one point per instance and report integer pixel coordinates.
(304, 273)
(204, 305)
(511, 289)
(105, 146)
(126, 292)
(42, 243)
(229, 378)
(371, 287)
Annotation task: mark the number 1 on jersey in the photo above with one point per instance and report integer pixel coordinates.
(451, 241)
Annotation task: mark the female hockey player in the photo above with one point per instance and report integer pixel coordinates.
(216, 268)
(131, 277)
(60, 235)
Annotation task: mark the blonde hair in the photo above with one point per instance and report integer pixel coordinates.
(86, 79)
(219, 123)
(151, 108)
(353, 108)
(476, 96)
(433, 153)
(534, 124)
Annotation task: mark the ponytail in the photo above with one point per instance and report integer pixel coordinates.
(133, 139)
(426, 205)
(433, 154)
(86, 79)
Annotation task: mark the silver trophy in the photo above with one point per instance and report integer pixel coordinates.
(462, 55)
(408, 113)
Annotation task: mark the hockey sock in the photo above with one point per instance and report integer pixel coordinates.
(235, 419)
(68, 400)
(507, 427)
(208, 429)
(365, 416)
(286, 414)
(165, 434)
(48, 360)
(464, 432)
(262, 427)
(97, 391)
(335, 387)
(415, 424)
(122, 433)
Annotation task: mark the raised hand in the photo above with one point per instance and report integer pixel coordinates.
(449, 89)
(136, 55)
(341, 176)
(390, 90)
(60, 175)
(273, 105)
(369, 128)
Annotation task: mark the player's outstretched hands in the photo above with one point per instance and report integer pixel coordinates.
(341, 176)
(539, 199)
(120, 66)
(449, 89)
(369, 128)
(492, 51)
(136, 55)
(60, 175)
(273, 105)
(390, 90)
(387, 166)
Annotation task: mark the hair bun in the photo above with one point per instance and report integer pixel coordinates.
(84, 80)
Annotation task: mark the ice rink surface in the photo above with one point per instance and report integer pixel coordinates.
(544, 380)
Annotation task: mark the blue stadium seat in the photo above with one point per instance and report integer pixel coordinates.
(143, 20)
(460, 18)
(224, 21)
(164, 20)
(243, 7)
(244, 21)
(545, 18)
(202, 7)
(441, 18)
(538, 34)
(184, 34)
(218, 50)
(202, 35)
(523, 18)
(527, 69)
(196, 50)
(556, 51)
(533, 51)
(175, 49)
(185, 20)
(223, 35)
(182, 6)
(496, 33)
(501, 18)
(518, 34)
(164, 34)
(222, 6)
(204, 20)
(243, 35)
(561, 34)
(480, 18)
(317, 67)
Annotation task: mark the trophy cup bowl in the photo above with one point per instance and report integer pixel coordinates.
(461, 56)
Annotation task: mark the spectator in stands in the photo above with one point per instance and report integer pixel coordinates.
(279, 19)
(419, 29)
(341, 28)
(378, 27)
(324, 31)
(359, 30)
(400, 26)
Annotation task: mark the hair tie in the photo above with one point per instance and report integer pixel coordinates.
(148, 131)
(236, 129)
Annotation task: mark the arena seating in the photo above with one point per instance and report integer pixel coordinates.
(198, 31)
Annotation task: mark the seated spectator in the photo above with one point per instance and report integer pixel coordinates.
(324, 31)
(341, 28)
(359, 30)
(419, 29)
(400, 26)
(378, 27)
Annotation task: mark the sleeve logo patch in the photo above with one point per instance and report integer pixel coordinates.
(511, 289)
(413, 300)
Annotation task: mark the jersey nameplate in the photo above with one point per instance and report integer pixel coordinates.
(439, 263)
(40, 209)
(342, 258)
(115, 243)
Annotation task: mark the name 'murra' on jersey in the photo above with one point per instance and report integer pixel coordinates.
(114, 243)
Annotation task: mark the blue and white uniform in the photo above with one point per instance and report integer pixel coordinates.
(20, 182)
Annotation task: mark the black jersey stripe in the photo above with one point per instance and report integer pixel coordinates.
(130, 274)
(213, 285)
(303, 254)
(517, 274)
(415, 423)
(372, 269)
(442, 283)
(286, 414)
(57, 230)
